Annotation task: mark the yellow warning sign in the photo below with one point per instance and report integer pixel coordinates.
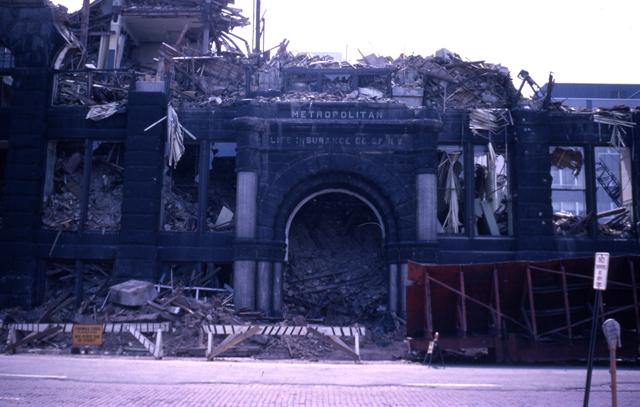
(86, 335)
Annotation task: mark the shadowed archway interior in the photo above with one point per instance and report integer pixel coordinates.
(336, 269)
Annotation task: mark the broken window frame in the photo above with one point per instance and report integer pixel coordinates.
(116, 151)
(79, 225)
(444, 212)
(625, 220)
(194, 221)
(576, 169)
(220, 151)
(502, 193)
(204, 158)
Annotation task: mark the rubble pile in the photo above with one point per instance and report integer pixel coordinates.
(307, 86)
(207, 81)
(616, 223)
(201, 74)
(104, 302)
(180, 211)
(449, 82)
(328, 277)
(62, 206)
(570, 224)
(222, 194)
(90, 88)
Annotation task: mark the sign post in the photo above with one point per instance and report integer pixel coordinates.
(600, 272)
(611, 329)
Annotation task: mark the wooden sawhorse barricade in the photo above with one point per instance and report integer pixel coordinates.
(39, 331)
(239, 333)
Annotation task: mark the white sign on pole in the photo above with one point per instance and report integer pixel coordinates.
(600, 271)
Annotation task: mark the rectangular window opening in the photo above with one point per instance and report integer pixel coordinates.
(105, 189)
(336, 83)
(370, 85)
(492, 200)
(568, 191)
(180, 193)
(451, 189)
(221, 199)
(614, 192)
(63, 185)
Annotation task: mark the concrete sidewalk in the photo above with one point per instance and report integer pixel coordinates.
(64, 380)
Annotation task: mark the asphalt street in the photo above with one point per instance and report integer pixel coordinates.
(115, 381)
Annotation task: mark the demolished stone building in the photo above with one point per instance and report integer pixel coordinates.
(161, 149)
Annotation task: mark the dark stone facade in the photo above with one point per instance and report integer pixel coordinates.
(373, 151)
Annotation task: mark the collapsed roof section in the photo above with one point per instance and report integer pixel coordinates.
(129, 33)
(189, 44)
(170, 21)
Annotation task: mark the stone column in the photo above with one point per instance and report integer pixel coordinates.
(404, 280)
(532, 210)
(247, 186)
(142, 186)
(265, 287)
(393, 288)
(244, 270)
(277, 287)
(426, 207)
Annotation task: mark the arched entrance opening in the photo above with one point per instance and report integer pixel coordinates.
(335, 268)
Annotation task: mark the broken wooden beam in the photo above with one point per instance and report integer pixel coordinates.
(33, 336)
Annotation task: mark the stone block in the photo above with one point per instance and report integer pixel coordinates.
(132, 293)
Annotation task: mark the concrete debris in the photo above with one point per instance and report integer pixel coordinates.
(174, 303)
(569, 224)
(205, 65)
(225, 217)
(91, 88)
(100, 112)
(180, 210)
(327, 279)
(63, 188)
(132, 293)
(449, 82)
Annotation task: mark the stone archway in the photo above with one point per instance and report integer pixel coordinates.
(336, 268)
(312, 196)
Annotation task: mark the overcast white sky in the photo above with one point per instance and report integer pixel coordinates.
(578, 40)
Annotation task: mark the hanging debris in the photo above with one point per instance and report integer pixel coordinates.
(175, 137)
(492, 204)
(491, 121)
(451, 192)
(619, 121)
(567, 158)
(100, 112)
